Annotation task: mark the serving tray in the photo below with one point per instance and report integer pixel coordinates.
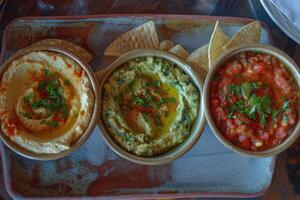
(208, 169)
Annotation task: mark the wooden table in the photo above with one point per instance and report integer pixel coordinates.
(286, 183)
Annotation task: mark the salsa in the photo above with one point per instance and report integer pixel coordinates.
(149, 105)
(253, 101)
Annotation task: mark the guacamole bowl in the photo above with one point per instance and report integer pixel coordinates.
(143, 117)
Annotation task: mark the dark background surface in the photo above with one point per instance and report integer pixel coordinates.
(286, 183)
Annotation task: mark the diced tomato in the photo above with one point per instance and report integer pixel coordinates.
(214, 86)
(224, 83)
(229, 123)
(246, 144)
(215, 102)
(281, 133)
(259, 68)
(281, 81)
(265, 136)
(57, 118)
(233, 69)
(214, 95)
(252, 60)
(42, 94)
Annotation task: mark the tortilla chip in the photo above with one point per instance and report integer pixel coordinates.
(248, 34)
(74, 48)
(179, 51)
(141, 37)
(199, 58)
(217, 41)
(166, 45)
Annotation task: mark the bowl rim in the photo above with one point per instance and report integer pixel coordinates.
(294, 71)
(198, 126)
(95, 113)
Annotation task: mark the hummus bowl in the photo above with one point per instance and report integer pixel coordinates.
(252, 100)
(49, 102)
(151, 106)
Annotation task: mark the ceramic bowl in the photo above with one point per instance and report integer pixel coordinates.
(290, 65)
(196, 129)
(95, 113)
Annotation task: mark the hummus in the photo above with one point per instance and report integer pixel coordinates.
(46, 101)
(149, 105)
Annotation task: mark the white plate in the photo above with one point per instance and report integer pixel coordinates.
(281, 20)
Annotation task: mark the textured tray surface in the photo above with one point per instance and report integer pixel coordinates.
(208, 169)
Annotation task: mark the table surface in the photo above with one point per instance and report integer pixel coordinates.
(286, 182)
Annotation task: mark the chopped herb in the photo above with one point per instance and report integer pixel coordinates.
(252, 110)
(255, 85)
(49, 95)
(26, 114)
(246, 90)
(42, 85)
(47, 73)
(131, 83)
(166, 100)
(235, 89)
(263, 120)
(274, 114)
(266, 104)
(230, 115)
(27, 98)
(186, 119)
(166, 70)
(153, 83)
(255, 105)
(285, 105)
(145, 117)
(285, 119)
(175, 83)
(139, 68)
(52, 123)
(138, 100)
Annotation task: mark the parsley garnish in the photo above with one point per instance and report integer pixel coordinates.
(52, 123)
(250, 104)
(285, 105)
(235, 89)
(274, 114)
(153, 83)
(246, 90)
(285, 119)
(49, 95)
(47, 73)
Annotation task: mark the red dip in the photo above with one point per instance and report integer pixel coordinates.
(253, 100)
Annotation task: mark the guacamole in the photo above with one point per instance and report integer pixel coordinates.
(149, 105)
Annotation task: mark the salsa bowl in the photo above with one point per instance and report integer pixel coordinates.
(83, 131)
(251, 121)
(196, 129)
